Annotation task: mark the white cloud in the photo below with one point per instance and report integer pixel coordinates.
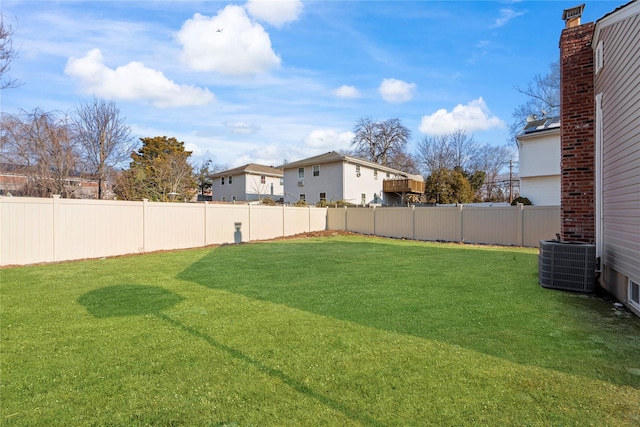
(133, 81)
(471, 117)
(241, 127)
(345, 91)
(228, 43)
(506, 15)
(328, 139)
(276, 13)
(396, 91)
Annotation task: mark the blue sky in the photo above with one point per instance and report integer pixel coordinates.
(269, 81)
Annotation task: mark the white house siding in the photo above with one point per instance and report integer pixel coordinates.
(539, 167)
(255, 190)
(618, 145)
(540, 155)
(366, 183)
(541, 190)
(246, 187)
(329, 181)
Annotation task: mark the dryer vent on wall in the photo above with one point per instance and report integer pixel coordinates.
(568, 266)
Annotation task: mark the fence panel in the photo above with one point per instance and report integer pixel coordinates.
(94, 228)
(394, 222)
(336, 218)
(318, 219)
(491, 225)
(173, 225)
(360, 220)
(301, 220)
(437, 223)
(227, 224)
(539, 223)
(26, 230)
(266, 222)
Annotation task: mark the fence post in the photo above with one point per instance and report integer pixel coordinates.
(249, 225)
(520, 227)
(460, 222)
(205, 223)
(56, 226)
(145, 204)
(373, 212)
(345, 219)
(413, 222)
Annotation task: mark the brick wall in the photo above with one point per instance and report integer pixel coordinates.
(577, 135)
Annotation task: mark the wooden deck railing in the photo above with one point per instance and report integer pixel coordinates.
(403, 186)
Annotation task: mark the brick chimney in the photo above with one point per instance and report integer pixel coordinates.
(577, 133)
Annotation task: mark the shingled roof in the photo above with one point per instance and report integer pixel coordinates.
(252, 168)
(333, 156)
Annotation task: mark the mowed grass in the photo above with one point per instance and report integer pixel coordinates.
(333, 331)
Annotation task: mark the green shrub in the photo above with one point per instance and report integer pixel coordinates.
(268, 201)
(523, 200)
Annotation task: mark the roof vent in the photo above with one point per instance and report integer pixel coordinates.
(572, 16)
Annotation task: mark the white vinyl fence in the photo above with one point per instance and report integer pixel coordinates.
(504, 225)
(34, 230)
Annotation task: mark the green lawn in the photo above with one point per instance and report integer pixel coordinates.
(334, 331)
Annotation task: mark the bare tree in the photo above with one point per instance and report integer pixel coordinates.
(464, 148)
(42, 150)
(543, 99)
(435, 153)
(380, 142)
(492, 159)
(104, 136)
(7, 55)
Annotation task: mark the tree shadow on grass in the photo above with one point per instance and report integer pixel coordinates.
(138, 300)
(506, 314)
(128, 300)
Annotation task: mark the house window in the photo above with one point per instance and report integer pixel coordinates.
(222, 180)
(375, 174)
(634, 294)
(272, 188)
(300, 172)
(224, 199)
(323, 197)
(388, 175)
(233, 198)
(263, 179)
(357, 170)
(230, 180)
(363, 199)
(316, 170)
(303, 197)
(281, 181)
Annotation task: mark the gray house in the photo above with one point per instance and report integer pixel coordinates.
(600, 137)
(247, 183)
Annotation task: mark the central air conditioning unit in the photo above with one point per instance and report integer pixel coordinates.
(301, 183)
(568, 266)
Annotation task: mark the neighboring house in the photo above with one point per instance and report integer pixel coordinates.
(333, 176)
(600, 108)
(247, 183)
(17, 180)
(539, 161)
